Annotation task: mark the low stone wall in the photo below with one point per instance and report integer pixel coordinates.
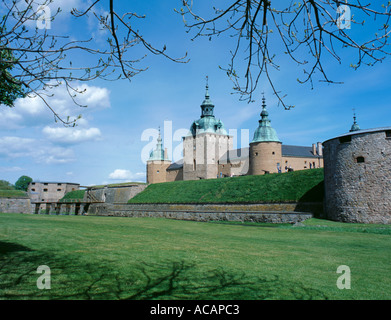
(116, 194)
(15, 205)
(272, 213)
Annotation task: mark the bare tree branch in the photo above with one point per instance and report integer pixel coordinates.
(309, 26)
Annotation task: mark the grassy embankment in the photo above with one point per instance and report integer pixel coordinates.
(7, 190)
(146, 258)
(305, 186)
(78, 195)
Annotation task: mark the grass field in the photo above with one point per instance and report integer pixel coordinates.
(304, 185)
(147, 258)
(13, 194)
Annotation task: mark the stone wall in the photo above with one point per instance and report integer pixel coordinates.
(273, 212)
(156, 170)
(301, 163)
(15, 205)
(49, 191)
(358, 177)
(264, 157)
(116, 194)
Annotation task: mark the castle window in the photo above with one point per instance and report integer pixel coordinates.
(273, 152)
(45, 190)
(345, 139)
(256, 153)
(360, 160)
(32, 189)
(388, 134)
(157, 171)
(58, 189)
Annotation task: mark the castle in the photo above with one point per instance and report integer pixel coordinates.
(208, 152)
(357, 176)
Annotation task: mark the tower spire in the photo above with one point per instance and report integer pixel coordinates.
(207, 105)
(264, 132)
(355, 126)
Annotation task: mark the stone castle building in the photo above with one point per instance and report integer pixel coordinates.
(208, 152)
(358, 176)
(49, 191)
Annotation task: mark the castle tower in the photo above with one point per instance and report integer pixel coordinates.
(357, 176)
(205, 144)
(157, 163)
(265, 149)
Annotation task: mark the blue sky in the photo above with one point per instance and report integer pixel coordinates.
(107, 145)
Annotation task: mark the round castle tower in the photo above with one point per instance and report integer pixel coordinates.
(157, 163)
(265, 148)
(357, 176)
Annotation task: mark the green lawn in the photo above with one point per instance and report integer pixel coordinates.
(148, 258)
(304, 185)
(74, 195)
(13, 194)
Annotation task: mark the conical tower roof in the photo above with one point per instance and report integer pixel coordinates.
(158, 152)
(265, 132)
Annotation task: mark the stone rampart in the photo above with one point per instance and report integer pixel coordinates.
(272, 213)
(357, 169)
(15, 205)
(114, 194)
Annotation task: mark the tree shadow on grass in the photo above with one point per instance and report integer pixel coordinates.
(7, 247)
(73, 278)
(180, 280)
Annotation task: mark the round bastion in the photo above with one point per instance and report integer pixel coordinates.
(357, 172)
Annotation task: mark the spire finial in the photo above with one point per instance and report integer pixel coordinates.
(263, 100)
(159, 138)
(207, 88)
(355, 126)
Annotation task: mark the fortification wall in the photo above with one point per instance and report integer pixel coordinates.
(272, 212)
(15, 205)
(116, 194)
(357, 169)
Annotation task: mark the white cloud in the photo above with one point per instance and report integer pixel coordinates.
(71, 135)
(40, 152)
(122, 174)
(32, 111)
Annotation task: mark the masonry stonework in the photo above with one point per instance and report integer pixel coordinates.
(358, 176)
(15, 205)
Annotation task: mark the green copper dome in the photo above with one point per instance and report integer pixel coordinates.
(264, 132)
(207, 122)
(355, 126)
(158, 153)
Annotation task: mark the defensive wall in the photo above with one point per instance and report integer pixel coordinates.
(358, 176)
(263, 212)
(15, 205)
(114, 194)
